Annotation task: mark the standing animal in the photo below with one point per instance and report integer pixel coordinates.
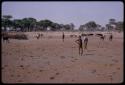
(102, 37)
(5, 37)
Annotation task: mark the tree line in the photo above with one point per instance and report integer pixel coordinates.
(31, 24)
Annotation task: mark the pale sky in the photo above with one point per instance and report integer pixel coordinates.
(62, 12)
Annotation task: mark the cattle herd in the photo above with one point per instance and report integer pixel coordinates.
(6, 36)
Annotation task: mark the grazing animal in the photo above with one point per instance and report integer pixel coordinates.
(39, 35)
(90, 34)
(83, 34)
(102, 37)
(87, 34)
(5, 37)
(73, 35)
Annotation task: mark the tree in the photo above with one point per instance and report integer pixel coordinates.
(119, 26)
(29, 23)
(32, 23)
(82, 28)
(72, 26)
(44, 24)
(67, 27)
(19, 23)
(109, 27)
(112, 21)
(91, 26)
(6, 21)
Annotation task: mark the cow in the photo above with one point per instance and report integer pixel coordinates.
(87, 34)
(73, 35)
(102, 37)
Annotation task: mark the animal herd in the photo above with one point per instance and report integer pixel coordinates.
(6, 36)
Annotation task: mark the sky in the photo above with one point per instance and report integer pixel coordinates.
(62, 12)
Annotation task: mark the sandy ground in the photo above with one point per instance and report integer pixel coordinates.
(49, 60)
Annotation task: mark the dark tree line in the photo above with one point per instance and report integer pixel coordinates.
(111, 26)
(31, 24)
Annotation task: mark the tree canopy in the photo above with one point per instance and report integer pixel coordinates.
(31, 24)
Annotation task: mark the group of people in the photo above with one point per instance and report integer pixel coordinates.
(79, 42)
(84, 39)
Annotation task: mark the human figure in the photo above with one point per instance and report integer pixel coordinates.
(79, 42)
(110, 37)
(85, 42)
(63, 36)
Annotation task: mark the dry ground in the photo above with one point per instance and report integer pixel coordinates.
(49, 60)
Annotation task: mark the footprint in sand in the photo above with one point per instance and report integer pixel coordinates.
(22, 59)
(106, 65)
(37, 76)
(29, 72)
(111, 64)
(18, 75)
(88, 54)
(31, 56)
(72, 80)
(12, 75)
(114, 60)
(111, 78)
(2, 68)
(5, 65)
(118, 68)
(75, 59)
(57, 73)
(21, 66)
(43, 49)
(48, 62)
(52, 78)
(110, 56)
(62, 57)
(113, 73)
(20, 80)
(72, 61)
(98, 74)
(40, 70)
(94, 71)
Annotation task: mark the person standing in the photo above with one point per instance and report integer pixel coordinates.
(110, 37)
(80, 46)
(63, 36)
(85, 42)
